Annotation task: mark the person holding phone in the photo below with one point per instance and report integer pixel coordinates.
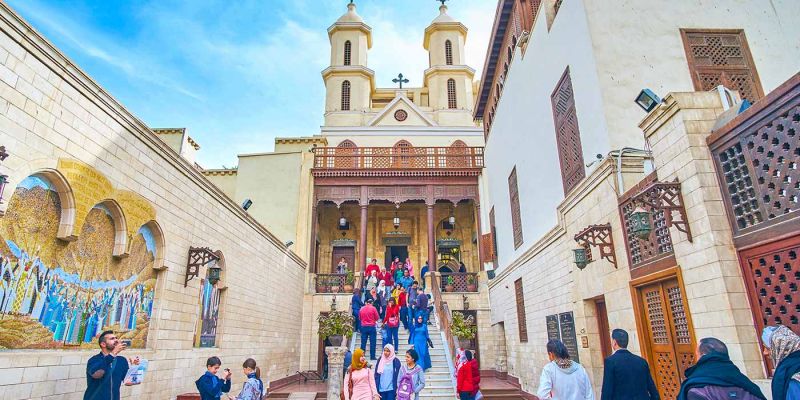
(210, 386)
(106, 370)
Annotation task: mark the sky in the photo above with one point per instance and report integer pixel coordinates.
(238, 73)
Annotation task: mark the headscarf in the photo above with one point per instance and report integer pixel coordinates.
(409, 267)
(356, 363)
(382, 287)
(461, 358)
(783, 342)
(384, 361)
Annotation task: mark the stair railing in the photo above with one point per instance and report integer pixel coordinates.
(445, 318)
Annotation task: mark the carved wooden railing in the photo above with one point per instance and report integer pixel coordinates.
(442, 313)
(459, 282)
(330, 283)
(382, 158)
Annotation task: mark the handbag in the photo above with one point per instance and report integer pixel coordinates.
(349, 386)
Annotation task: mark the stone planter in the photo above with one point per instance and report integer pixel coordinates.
(471, 287)
(449, 288)
(334, 289)
(348, 288)
(336, 340)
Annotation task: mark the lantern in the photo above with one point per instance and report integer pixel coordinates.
(342, 221)
(581, 257)
(641, 223)
(396, 221)
(214, 272)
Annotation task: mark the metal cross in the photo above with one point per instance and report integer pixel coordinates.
(442, 1)
(400, 79)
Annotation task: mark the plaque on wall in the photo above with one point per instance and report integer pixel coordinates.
(552, 328)
(568, 335)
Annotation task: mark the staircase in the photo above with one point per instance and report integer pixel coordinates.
(439, 384)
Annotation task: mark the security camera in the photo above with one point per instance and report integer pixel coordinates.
(246, 204)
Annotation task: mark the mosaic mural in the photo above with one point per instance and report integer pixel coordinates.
(57, 294)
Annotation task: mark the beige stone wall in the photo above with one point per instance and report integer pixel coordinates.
(715, 290)
(50, 110)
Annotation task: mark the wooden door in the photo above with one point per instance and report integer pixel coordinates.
(667, 338)
(602, 326)
(349, 254)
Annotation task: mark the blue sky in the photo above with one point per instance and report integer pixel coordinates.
(237, 73)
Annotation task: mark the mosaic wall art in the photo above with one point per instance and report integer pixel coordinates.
(55, 293)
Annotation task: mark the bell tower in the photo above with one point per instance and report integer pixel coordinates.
(448, 78)
(348, 82)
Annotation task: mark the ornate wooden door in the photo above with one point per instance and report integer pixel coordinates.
(668, 338)
(349, 254)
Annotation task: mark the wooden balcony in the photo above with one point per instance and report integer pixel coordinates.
(397, 161)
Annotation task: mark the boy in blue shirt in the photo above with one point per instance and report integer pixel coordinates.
(209, 385)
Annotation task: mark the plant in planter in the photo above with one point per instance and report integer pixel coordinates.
(348, 281)
(333, 283)
(464, 328)
(335, 326)
(472, 284)
(322, 284)
(450, 284)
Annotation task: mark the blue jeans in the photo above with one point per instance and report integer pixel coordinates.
(356, 322)
(390, 395)
(368, 332)
(404, 316)
(393, 337)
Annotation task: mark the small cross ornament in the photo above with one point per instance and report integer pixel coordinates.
(400, 80)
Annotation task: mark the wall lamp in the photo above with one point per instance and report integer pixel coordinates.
(246, 204)
(647, 100)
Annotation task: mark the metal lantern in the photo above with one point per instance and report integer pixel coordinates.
(396, 221)
(214, 272)
(452, 219)
(342, 221)
(641, 223)
(581, 257)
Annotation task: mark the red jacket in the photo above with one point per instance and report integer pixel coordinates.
(370, 268)
(464, 380)
(386, 277)
(401, 299)
(476, 375)
(392, 311)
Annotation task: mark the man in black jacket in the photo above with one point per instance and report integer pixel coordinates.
(627, 376)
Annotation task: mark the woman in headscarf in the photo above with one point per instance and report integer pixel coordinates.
(461, 359)
(359, 383)
(409, 267)
(386, 373)
(420, 340)
(381, 293)
(562, 378)
(783, 346)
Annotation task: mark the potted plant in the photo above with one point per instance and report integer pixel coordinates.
(449, 286)
(322, 284)
(472, 285)
(335, 326)
(348, 281)
(464, 329)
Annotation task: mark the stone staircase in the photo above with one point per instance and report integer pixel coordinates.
(439, 384)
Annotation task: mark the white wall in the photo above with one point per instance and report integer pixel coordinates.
(523, 133)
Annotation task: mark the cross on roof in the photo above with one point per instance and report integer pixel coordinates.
(400, 79)
(442, 1)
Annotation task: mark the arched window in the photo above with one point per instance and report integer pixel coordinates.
(448, 52)
(346, 96)
(451, 94)
(346, 155)
(347, 52)
(457, 155)
(403, 149)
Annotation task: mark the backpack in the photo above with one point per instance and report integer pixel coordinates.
(405, 387)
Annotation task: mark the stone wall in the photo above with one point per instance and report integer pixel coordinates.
(51, 111)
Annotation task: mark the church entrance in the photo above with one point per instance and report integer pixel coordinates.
(395, 251)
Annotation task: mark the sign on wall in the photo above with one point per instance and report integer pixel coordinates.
(562, 327)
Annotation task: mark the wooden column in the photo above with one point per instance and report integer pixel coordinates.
(431, 240)
(362, 242)
(312, 257)
(480, 233)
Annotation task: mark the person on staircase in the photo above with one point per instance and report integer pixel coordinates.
(422, 304)
(403, 303)
(783, 346)
(562, 378)
(355, 306)
(464, 383)
(386, 378)
(411, 379)
(420, 341)
(422, 273)
(387, 279)
(360, 378)
(472, 363)
(411, 297)
(392, 322)
(368, 317)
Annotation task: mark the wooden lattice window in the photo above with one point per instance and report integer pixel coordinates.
(402, 151)
(493, 227)
(521, 319)
(457, 155)
(346, 152)
(451, 94)
(568, 136)
(721, 57)
(348, 49)
(448, 52)
(516, 217)
(346, 96)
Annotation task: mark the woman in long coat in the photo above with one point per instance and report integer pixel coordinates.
(419, 339)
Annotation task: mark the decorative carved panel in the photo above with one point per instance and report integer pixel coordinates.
(396, 194)
(568, 137)
(521, 318)
(721, 57)
(756, 161)
(600, 236)
(516, 217)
